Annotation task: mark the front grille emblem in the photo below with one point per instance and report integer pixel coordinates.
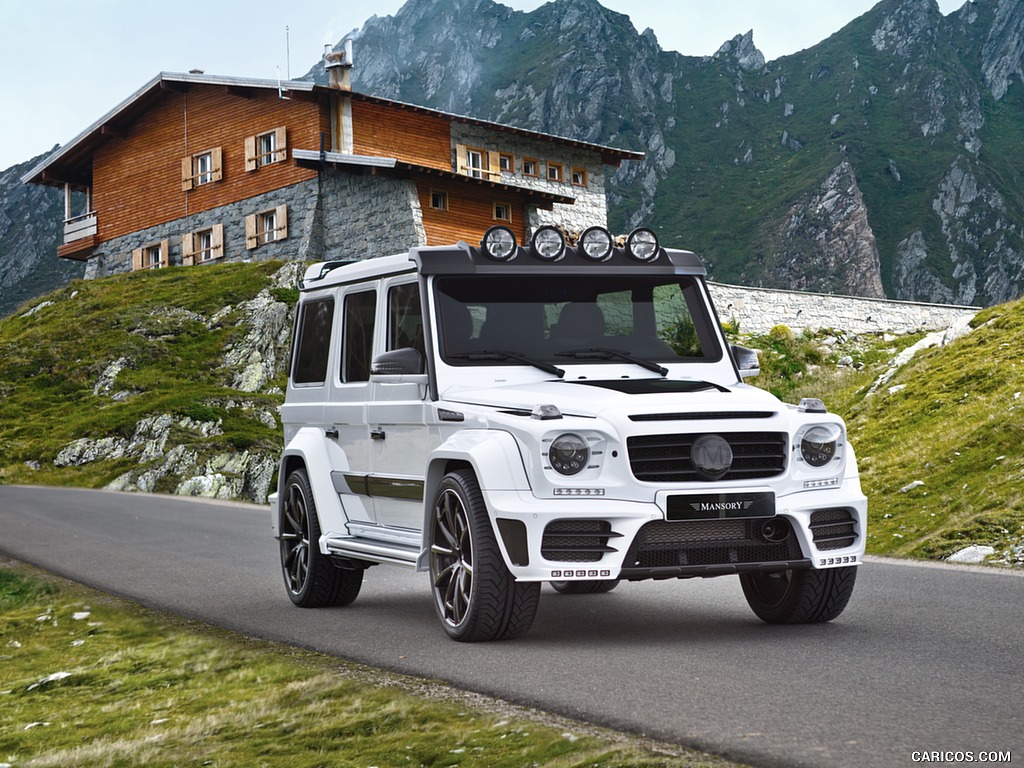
(711, 456)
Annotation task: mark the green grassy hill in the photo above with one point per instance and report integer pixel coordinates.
(169, 381)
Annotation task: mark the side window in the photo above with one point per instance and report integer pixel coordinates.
(405, 318)
(313, 342)
(357, 343)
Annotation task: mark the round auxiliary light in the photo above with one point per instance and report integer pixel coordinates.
(547, 244)
(499, 243)
(642, 244)
(569, 454)
(596, 244)
(819, 443)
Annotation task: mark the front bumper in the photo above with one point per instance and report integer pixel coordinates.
(598, 538)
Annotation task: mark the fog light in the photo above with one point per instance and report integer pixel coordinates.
(595, 244)
(499, 243)
(642, 244)
(547, 244)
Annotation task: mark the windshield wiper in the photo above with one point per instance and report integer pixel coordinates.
(502, 354)
(601, 353)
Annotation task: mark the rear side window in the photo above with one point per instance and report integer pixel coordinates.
(360, 309)
(313, 342)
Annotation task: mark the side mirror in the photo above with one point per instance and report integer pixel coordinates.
(746, 361)
(398, 362)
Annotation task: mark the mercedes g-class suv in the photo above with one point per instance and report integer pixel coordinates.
(565, 411)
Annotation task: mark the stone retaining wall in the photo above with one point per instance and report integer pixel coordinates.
(757, 310)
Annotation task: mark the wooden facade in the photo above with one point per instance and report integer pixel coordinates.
(138, 179)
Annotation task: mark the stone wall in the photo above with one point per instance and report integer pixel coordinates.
(336, 216)
(757, 310)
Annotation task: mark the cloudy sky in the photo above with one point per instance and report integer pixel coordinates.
(68, 62)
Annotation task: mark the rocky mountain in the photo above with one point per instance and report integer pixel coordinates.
(30, 218)
(884, 160)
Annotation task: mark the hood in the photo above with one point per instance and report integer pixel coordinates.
(591, 397)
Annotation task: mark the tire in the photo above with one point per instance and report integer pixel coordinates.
(475, 595)
(585, 587)
(311, 579)
(799, 597)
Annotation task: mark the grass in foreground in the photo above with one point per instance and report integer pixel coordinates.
(90, 680)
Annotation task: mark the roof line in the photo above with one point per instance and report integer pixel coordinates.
(307, 86)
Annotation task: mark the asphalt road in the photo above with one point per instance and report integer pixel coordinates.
(925, 658)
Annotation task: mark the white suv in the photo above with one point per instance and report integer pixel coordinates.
(507, 415)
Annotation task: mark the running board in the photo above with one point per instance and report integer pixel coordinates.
(375, 551)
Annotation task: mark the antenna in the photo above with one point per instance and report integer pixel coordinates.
(288, 52)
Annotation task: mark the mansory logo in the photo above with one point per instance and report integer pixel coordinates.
(721, 506)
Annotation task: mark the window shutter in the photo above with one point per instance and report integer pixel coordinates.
(282, 222)
(250, 153)
(218, 240)
(461, 162)
(188, 249)
(165, 253)
(494, 164)
(217, 158)
(186, 174)
(251, 241)
(281, 139)
(136, 260)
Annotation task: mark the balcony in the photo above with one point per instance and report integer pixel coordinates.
(79, 237)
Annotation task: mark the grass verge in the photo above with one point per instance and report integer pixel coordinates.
(87, 679)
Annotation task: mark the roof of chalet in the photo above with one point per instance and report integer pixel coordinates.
(72, 163)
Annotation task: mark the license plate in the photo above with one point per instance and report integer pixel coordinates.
(718, 506)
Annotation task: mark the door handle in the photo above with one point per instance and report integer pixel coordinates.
(378, 433)
(332, 433)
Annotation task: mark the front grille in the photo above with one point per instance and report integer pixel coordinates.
(577, 541)
(666, 458)
(833, 529)
(663, 544)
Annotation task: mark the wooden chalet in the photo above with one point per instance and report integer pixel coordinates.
(194, 168)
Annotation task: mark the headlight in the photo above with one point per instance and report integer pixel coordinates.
(569, 454)
(819, 444)
(499, 243)
(642, 245)
(547, 244)
(595, 243)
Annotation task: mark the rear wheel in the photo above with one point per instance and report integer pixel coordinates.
(475, 595)
(311, 579)
(799, 597)
(585, 587)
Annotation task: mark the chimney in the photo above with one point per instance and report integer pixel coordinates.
(338, 65)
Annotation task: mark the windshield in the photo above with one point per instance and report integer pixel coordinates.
(560, 319)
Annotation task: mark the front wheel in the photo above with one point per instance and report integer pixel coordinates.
(799, 597)
(476, 596)
(311, 579)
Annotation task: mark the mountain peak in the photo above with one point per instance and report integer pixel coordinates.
(742, 50)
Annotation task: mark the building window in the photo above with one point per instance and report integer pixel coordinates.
(266, 148)
(556, 172)
(503, 212)
(531, 167)
(506, 163)
(202, 246)
(438, 200)
(475, 163)
(201, 168)
(151, 256)
(266, 227)
(579, 177)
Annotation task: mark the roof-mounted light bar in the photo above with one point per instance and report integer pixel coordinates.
(551, 243)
